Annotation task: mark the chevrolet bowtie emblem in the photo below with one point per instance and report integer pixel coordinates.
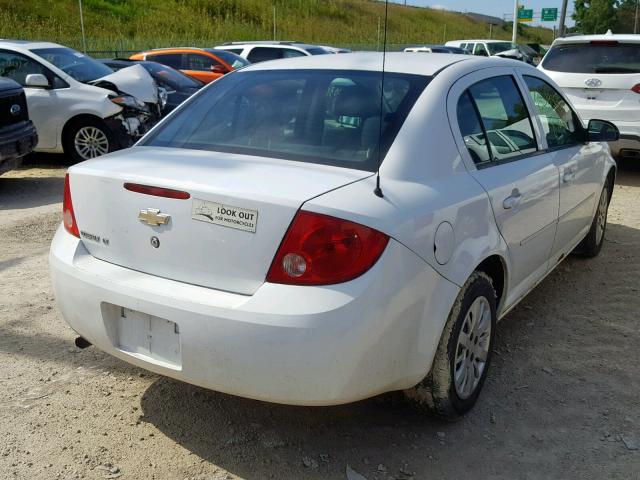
(153, 217)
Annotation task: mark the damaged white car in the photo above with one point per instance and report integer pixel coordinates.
(78, 105)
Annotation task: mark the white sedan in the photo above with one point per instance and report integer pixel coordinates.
(248, 245)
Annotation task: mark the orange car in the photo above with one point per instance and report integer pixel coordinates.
(205, 64)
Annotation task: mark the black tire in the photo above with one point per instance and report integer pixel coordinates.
(592, 243)
(86, 123)
(437, 393)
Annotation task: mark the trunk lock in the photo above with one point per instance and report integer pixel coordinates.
(155, 242)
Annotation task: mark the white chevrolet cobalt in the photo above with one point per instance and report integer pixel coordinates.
(247, 244)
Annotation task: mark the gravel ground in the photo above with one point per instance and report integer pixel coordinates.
(561, 401)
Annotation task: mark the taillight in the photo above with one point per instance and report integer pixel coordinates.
(68, 217)
(157, 191)
(321, 250)
(636, 88)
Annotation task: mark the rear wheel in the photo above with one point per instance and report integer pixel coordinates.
(87, 138)
(464, 353)
(592, 243)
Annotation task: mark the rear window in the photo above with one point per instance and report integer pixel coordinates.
(606, 57)
(330, 117)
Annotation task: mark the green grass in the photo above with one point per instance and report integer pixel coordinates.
(124, 25)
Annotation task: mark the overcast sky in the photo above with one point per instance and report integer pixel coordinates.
(496, 8)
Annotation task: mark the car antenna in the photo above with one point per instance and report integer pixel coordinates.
(378, 191)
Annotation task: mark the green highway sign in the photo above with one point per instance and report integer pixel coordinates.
(525, 15)
(549, 14)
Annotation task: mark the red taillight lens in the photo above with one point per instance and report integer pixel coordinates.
(68, 217)
(321, 250)
(636, 88)
(604, 42)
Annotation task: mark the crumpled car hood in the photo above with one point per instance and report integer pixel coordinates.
(514, 52)
(135, 81)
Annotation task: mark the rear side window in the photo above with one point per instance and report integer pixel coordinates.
(472, 132)
(201, 63)
(262, 54)
(560, 124)
(481, 50)
(330, 117)
(598, 57)
(504, 117)
(173, 60)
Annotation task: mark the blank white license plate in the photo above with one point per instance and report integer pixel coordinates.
(144, 335)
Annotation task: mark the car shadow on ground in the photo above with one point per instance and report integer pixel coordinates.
(532, 375)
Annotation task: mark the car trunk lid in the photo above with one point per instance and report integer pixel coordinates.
(224, 236)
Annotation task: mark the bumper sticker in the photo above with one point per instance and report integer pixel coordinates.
(225, 215)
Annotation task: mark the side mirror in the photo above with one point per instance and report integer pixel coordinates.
(36, 80)
(602, 131)
(218, 69)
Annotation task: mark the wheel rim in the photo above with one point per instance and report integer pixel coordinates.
(91, 142)
(601, 216)
(472, 349)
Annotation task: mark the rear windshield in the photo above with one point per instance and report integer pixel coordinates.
(606, 57)
(330, 117)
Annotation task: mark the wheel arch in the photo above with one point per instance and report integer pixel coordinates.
(76, 118)
(495, 267)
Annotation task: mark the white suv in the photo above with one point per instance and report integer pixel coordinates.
(488, 48)
(601, 76)
(78, 105)
(261, 51)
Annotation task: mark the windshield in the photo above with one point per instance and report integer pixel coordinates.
(606, 57)
(172, 77)
(236, 61)
(330, 117)
(498, 47)
(75, 64)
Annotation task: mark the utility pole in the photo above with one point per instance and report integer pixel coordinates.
(635, 21)
(491, 27)
(84, 39)
(274, 22)
(563, 15)
(514, 34)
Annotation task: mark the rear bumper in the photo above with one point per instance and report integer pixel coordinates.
(15, 142)
(284, 344)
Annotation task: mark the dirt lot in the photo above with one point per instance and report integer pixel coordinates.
(562, 399)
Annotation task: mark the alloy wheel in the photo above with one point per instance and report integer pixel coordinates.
(472, 348)
(601, 216)
(91, 142)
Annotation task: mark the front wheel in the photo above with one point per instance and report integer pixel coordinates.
(87, 138)
(592, 243)
(464, 353)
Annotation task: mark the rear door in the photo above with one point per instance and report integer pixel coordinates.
(498, 139)
(580, 164)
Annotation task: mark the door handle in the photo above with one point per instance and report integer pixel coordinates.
(512, 200)
(569, 174)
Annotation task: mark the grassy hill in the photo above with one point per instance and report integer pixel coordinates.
(139, 24)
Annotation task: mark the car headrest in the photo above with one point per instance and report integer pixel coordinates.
(357, 102)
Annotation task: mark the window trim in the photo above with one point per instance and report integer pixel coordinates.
(494, 161)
